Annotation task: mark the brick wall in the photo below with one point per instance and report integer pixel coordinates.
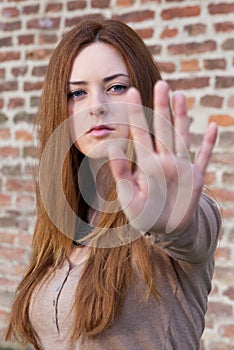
(193, 42)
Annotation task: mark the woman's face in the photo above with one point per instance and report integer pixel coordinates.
(97, 86)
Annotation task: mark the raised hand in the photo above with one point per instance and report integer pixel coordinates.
(162, 193)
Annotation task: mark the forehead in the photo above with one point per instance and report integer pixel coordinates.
(97, 58)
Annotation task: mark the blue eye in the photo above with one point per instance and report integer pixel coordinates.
(76, 94)
(117, 88)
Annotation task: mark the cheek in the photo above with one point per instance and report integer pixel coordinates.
(78, 126)
(124, 130)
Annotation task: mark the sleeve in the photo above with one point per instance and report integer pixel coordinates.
(199, 241)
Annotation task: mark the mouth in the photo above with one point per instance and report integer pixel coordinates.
(100, 130)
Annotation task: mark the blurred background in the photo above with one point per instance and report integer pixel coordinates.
(193, 44)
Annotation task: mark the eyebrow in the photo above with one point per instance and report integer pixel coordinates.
(105, 80)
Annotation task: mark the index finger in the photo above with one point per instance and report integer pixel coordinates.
(163, 125)
(138, 125)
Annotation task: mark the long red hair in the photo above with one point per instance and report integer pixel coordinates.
(108, 271)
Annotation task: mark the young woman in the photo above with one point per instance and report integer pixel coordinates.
(124, 243)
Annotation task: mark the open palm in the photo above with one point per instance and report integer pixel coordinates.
(162, 193)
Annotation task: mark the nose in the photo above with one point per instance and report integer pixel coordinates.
(99, 110)
(98, 104)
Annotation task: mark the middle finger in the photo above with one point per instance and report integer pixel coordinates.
(138, 125)
(163, 127)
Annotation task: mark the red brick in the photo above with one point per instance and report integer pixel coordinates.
(222, 7)
(3, 118)
(10, 26)
(136, 16)
(224, 27)
(125, 3)
(23, 135)
(47, 38)
(228, 178)
(24, 239)
(223, 195)
(169, 33)
(12, 253)
(39, 71)
(30, 151)
(145, 33)
(227, 331)
(44, 23)
(17, 71)
(101, 4)
(178, 12)
(223, 254)
(188, 83)
(39, 54)
(155, 49)
(167, 67)
(4, 134)
(149, 1)
(8, 284)
(229, 292)
(228, 44)
(211, 101)
(34, 101)
(32, 86)
(190, 65)
(2, 73)
(31, 169)
(192, 48)
(5, 200)
(195, 29)
(219, 345)
(226, 139)
(24, 117)
(70, 22)
(26, 39)
(219, 310)
(222, 119)
(10, 12)
(1, 105)
(8, 86)
(9, 56)
(3, 316)
(227, 213)
(16, 102)
(209, 178)
(218, 63)
(9, 152)
(222, 158)
(11, 170)
(30, 9)
(20, 185)
(7, 237)
(224, 274)
(13, 270)
(190, 101)
(76, 5)
(26, 202)
(224, 82)
(6, 41)
(6, 222)
(230, 101)
(54, 7)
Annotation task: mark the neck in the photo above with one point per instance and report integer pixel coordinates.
(103, 182)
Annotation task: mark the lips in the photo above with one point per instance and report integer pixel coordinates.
(100, 130)
(100, 127)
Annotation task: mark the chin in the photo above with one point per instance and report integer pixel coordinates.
(100, 150)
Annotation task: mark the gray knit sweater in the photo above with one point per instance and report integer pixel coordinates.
(184, 267)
